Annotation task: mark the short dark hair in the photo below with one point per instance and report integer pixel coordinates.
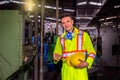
(66, 15)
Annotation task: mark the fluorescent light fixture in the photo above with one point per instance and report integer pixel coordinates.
(3, 2)
(81, 3)
(39, 16)
(18, 2)
(107, 23)
(38, 20)
(111, 17)
(84, 18)
(50, 7)
(118, 6)
(50, 18)
(69, 10)
(95, 3)
(101, 19)
(39, 5)
(33, 20)
(31, 16)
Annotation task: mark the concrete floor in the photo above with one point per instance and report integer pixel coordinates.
(106, 73)
(96, 73)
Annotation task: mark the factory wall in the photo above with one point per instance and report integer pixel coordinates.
(109, 38)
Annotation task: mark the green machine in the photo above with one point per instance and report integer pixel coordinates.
(51, 48)
(10, 42)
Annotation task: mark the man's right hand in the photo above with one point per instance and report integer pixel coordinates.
(56, 57)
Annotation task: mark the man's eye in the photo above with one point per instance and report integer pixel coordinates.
(68, 21)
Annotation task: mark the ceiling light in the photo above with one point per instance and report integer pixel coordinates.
(31, 16)
(33, 20)
(84, 17)
(113, 25)
(95, 3)
(39, 16)
(108, 18)
(29, 5)
(50, 18)
(39, 5)
(118, 6)
(3, 2)
(69, 10)
(38, 20)
(50, 7)
(101, 19)
(112, 17)
(17, 2)
(81, 3)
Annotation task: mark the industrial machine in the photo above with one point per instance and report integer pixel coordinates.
(15, 56)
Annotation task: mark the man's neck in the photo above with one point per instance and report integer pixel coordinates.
(72, 30)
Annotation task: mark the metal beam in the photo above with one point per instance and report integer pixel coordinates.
(41, 38)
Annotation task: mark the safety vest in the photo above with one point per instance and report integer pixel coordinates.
(79, 43)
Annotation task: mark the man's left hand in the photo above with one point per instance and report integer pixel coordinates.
(83, 64)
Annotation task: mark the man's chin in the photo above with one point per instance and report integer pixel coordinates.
(67, 30)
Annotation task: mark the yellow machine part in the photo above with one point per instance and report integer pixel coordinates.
(73, 60)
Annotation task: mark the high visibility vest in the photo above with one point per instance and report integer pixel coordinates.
(79, 43)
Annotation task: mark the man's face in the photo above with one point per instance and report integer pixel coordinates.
(67, 23)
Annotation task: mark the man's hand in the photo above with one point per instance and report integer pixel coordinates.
(82, 64)
(56, 57)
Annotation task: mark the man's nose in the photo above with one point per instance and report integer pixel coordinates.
(66, 24)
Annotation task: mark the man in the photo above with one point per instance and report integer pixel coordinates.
(73, 41)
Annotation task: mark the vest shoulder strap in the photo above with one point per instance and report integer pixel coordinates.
(80, 32)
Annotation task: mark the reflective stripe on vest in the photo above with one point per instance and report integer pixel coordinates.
(80, 40)
(66, 54)
(91, 55)
(62, 41)
(79, 45)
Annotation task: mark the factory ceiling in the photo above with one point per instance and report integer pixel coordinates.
(85, 12)
(109, 12)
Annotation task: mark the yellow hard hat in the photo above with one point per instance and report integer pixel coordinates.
(73, 60)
